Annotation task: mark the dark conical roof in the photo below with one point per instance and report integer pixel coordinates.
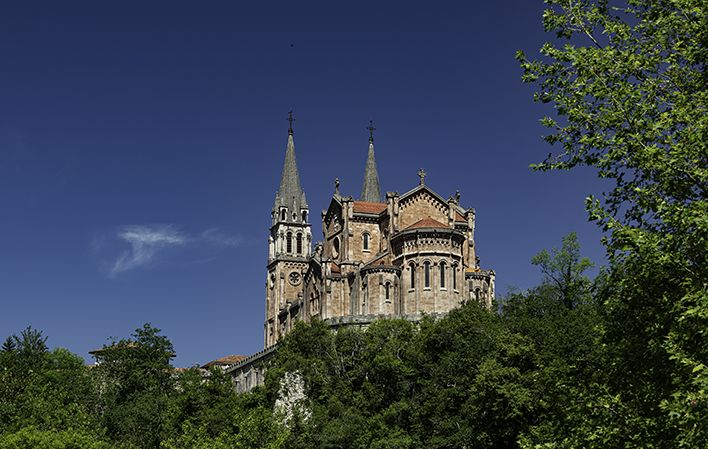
(371, 190)
(290, 193)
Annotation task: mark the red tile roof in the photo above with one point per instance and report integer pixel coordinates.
(460, 217)
(427, 223)
(335, 268)
(364, 207)
(227, 360)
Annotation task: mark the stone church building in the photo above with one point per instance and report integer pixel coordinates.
(402, 255)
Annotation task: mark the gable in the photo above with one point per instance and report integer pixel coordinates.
(332, 216)
(420, 204)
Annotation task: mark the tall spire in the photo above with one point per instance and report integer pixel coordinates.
(290, 193)
(371, 190)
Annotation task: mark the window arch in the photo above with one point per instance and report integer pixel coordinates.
(298, 243)
(282, 214)
(304, 216)
(366, 238)
(335, 248)
(387, 288)
(426, 272)
(442, 274)
(454, 277)
(412, 267)
(289, 242)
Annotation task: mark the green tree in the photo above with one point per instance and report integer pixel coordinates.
(570, 358)
(134, 381)
(49, 390)
(563, 271)
(630, 98)
(204, 401)
(475, 381)
(257, 430)
(465, 380)
(9, 345)
(33, 438)
(8, 353)
(31, 349)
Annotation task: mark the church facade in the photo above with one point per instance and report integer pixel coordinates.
(402, 255)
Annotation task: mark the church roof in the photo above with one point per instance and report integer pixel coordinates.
(460, 217)
(367, 207)
(225, 361)
(290, 193)
(427, 223)
(420, 187)
(382, 259)
(371, 190)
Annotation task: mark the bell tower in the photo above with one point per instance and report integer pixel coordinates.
(289, 247)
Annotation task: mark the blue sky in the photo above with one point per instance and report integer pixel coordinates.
(141, 145)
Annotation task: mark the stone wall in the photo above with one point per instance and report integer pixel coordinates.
(357, 229)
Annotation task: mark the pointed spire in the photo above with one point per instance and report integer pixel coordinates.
(290, 193)
(371, 190)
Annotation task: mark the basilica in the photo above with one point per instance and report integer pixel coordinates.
(399, 256)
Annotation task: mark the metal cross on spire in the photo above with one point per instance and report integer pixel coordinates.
(291, 120)
(421, 175)
(371, 130)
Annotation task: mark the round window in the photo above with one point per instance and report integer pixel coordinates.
(294, 278)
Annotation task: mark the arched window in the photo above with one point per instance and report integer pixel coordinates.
(426, 272)
(387, 287)
(335, 247)
(304, 216)
(366, 241)
(282, 214)
(442, 274)
(412, 267)
(299, 243)
(289, 242)
(454, 277)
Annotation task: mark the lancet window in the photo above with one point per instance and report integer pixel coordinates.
(442, 274)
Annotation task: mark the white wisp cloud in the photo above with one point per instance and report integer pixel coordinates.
(145, 242)
(218, 238)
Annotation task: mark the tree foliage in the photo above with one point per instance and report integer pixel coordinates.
(44, 389)
(563, 271)
(471, 379)
(133, 399)
(628, 88)
(33, 438)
